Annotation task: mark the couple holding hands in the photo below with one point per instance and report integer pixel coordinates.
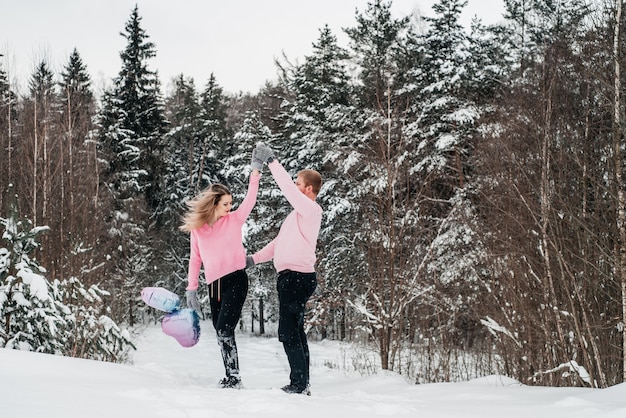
(216, 244)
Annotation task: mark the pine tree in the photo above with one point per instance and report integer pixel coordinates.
(76, 230)
(75, 81)
(217, 145)
(56, 317)
(91, 334)
(199, 140)
(184, 146)
(134, 123)
(375, 42)
(447, 115)
(447, 100)
(320, 88)
(131, 126)
(32, 315)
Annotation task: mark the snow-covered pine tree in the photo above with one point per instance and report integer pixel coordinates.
(447, 116)
(32, 315)
(92, 334)
(488, 65)
(131, 126)
(56, 317)
(218, 144)
(442, 118)
(320, 88)
(264, 218)
(182, 143)
(137, 95)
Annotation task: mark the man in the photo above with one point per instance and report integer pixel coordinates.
(293, 252)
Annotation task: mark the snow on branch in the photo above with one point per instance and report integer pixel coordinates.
(360, 307)
(37, 283)
(571, 366)
(494, 328)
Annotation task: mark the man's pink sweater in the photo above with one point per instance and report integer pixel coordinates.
(294, 246)
(219, 247)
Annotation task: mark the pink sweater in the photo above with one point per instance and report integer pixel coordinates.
(219, 247)
(294, 246)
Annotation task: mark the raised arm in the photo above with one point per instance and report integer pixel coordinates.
(300, 202)
(244, 209)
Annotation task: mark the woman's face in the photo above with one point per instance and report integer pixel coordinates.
(223, 206)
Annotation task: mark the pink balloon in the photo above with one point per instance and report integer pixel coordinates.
(160, 298)
(183, 325)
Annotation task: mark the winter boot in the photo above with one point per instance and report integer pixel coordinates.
(298, 363)
(231, 382)
(295, 389)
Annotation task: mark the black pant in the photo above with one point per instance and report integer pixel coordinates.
(227, 296)
(294, 290)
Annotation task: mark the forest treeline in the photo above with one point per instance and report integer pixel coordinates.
(474, 192)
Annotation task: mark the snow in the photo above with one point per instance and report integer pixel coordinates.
(38, 284)
(168, 380)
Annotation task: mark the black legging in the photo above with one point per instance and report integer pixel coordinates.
(226, 297)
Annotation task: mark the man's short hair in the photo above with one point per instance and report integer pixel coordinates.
(311, 178)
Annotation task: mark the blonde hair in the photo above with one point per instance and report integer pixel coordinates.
(311, 178)
(202, 207)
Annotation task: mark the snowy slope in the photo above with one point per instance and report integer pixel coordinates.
(167, 380)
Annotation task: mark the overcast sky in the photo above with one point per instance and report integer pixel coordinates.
(237, 40)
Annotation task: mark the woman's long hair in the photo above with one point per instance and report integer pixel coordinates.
(202, 207)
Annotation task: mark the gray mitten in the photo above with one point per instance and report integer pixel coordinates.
(264, 153)
(192, 300)
(256, 163)
(249, 261)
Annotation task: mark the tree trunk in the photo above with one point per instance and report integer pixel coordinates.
(384, 349)
(619, 182)
(261, 317)
(546, 207)
(35, 158)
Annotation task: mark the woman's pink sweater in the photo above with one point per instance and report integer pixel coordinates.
(219, 247)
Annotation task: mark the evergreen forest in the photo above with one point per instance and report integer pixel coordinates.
(474, 191)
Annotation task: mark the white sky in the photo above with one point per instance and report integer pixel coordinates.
(237, 40)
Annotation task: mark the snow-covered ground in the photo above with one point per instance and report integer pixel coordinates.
(167, 380)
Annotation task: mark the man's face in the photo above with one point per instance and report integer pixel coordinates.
(300, 185)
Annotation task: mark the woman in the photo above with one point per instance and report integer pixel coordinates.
(216, 244)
